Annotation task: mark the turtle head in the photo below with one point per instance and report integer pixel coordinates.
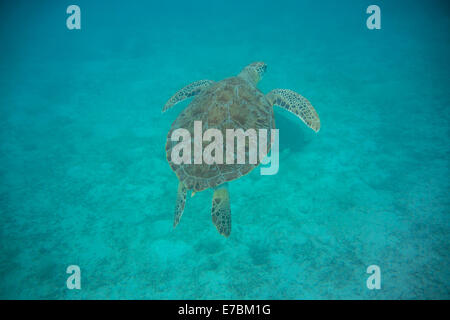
(253, 72)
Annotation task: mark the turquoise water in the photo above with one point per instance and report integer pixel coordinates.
(84, 179)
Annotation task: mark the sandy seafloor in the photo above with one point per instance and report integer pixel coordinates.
(84, 178)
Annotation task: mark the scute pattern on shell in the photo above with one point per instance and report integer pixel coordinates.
(232, 103)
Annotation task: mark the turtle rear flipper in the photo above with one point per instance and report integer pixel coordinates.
(181, 200)
(221, 212)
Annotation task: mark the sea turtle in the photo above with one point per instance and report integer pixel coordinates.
(232, 103)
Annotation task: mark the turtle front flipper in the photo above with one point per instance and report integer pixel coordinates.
(221, 212)
(297, 104)
(188, 91)
(181, 200)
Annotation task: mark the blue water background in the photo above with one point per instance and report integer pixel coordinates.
(84, 178)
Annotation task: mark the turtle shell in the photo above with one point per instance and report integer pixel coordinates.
(229, 104)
